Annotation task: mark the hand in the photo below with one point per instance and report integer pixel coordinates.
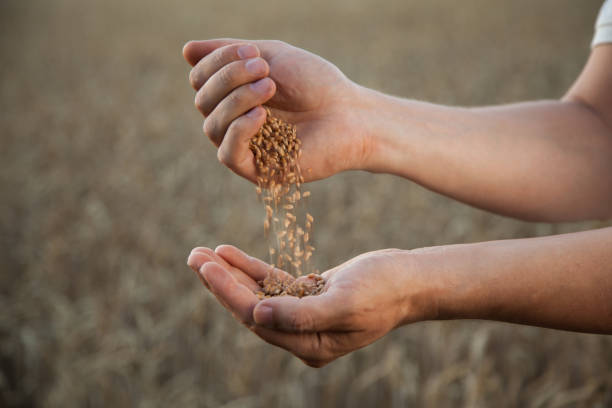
(233, 78)
(363, 299)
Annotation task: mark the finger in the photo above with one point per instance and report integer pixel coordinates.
(316, 363)
(201, 255)
(237, 103)
(226, 79)
(311, 348)
(203, 279)
(196, 259)
(213, 62)
(255, 268)
(303, 345)
(194, 51)
(323, 312)
(234, 151)
(234, 296)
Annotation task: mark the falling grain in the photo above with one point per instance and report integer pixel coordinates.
(276, 149)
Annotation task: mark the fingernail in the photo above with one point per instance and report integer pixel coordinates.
(260, 86)
(247, 51)
(194, 260)
(255, 65)
(264, 316)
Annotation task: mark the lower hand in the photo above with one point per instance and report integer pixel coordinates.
(363, 299)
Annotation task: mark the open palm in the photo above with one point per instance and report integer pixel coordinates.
(360, 302)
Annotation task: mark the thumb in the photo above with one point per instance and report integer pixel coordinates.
(308, 314)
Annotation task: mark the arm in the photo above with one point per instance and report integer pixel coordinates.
(562, 282)
(548, 160)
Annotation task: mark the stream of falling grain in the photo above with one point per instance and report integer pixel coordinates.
(287, 224)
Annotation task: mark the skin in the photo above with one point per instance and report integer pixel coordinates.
(545, 160)
(300, 87)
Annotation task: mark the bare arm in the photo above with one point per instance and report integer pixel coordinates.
(562, 282)
(547, 160)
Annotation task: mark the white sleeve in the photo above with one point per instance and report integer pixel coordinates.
(603, 27)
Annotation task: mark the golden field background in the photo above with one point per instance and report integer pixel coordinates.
(107, 182)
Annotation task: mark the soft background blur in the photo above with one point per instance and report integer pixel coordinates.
(107, 182)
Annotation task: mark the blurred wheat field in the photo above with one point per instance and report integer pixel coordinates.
(107, 182)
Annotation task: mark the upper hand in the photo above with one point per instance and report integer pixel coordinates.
(363, 299)
(233, 78)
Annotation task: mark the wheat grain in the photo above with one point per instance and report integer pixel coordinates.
(276, 150)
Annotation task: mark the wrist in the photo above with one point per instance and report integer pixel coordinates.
(368, 111)
(390, 130)
(447, 286)
(419, 292)
(402, 136)
(461, 281)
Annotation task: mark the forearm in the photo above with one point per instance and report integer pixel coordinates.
(562, 281)
(548, 160)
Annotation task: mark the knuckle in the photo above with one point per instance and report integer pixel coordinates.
(295, 321)
(193, 78)
(300, 321)
(218, 57)
(202, 103)
(224, 156)
(233, 99)
(198, 101)
(225, 77)
(237, 128)
(209, 127)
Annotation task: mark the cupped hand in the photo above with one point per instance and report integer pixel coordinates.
(233, 78)
(363, 299)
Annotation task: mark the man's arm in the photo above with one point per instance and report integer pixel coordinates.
(548, 160)
(562, 282)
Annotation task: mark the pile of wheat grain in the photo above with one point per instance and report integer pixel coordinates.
(275, 284)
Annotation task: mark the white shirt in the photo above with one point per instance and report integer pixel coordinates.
(603, 27)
